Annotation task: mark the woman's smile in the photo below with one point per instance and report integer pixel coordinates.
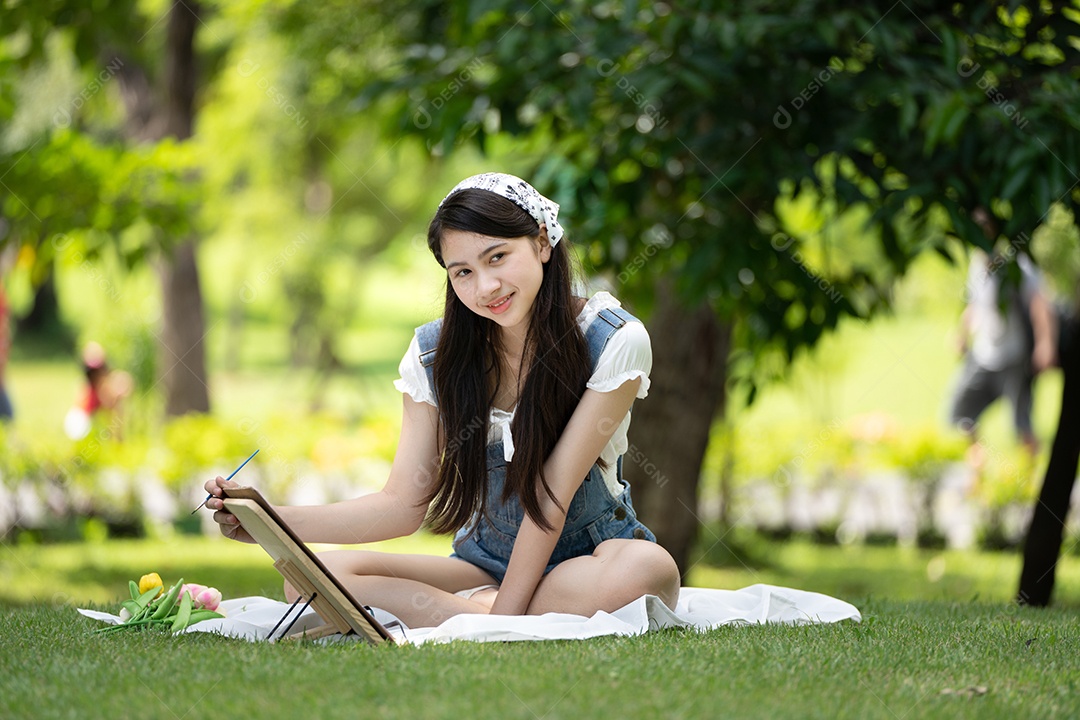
(501, 305)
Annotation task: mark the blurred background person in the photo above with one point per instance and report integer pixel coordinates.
(1007, 336)
(103, 395)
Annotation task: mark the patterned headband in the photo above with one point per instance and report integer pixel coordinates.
(522, 194)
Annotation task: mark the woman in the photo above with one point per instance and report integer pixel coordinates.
(516, 406)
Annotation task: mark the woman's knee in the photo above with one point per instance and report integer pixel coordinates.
(652, 568)
(663, 573)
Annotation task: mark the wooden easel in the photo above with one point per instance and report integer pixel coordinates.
(335, 623)
(303, 570)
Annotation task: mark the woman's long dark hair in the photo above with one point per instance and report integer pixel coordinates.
(467, 372)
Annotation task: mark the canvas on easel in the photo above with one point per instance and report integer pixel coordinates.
(307, 574)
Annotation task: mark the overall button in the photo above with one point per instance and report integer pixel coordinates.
(639, 534)
(620, 513)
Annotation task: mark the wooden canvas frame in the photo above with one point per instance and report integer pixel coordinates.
(331, 600)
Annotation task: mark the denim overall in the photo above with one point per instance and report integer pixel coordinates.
(593, 515)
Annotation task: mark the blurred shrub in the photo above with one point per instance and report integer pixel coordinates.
(823, 454)
(15, 461)
(824, 459)
(923, 453)
(328, 444)
(99, 476)
(1010, 477)
(195, 443)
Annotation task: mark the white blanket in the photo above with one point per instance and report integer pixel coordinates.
(252, 618)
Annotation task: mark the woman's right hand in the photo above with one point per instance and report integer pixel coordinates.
(227, 522)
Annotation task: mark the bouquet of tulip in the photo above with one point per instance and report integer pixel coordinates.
(151, 606)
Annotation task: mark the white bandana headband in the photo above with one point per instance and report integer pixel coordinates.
(522, 194)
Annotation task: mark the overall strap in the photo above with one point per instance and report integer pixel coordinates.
(607, 322)
(427, 337)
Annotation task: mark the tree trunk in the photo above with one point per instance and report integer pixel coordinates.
(1042, 547)
(44, 319)
(183, 354)
(183, 357)
(670, 430)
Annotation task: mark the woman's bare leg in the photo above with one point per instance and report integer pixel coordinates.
(618, 572)
(486, 597)
(419, 589)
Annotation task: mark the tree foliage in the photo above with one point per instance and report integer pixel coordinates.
(279, 165)
(69, 179)
(673, 133)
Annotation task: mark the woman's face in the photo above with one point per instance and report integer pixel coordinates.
(496, 278)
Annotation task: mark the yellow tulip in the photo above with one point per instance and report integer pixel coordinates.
(151, 580)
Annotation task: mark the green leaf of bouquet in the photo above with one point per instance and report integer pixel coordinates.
(184, 614)
(197, 616)
(147, 596)
(169, 603)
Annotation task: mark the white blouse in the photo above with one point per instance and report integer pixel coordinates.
(627, 355)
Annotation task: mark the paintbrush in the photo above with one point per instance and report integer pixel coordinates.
(226, 480)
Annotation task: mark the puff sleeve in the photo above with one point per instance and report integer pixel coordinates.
(627, 355)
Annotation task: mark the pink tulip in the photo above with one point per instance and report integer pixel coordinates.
(203, 597)
(192, 589)
(208, 599)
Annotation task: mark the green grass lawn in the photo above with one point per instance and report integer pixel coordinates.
(904, 660)
(954, 647)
